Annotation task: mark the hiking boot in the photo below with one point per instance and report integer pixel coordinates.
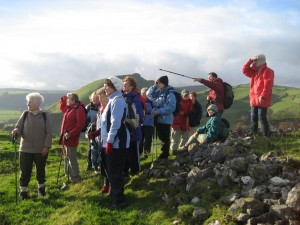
(76, 180)
(42, 192)
(118, 206)
(24, 195)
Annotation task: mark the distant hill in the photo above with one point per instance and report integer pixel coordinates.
(285, 105)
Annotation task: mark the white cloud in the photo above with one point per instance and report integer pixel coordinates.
(70, 45)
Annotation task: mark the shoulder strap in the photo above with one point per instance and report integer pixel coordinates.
(26, 114)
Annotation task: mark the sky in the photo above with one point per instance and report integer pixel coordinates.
(66, 44)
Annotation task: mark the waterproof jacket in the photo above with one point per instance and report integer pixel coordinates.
(73, 122)
(92, 111)
(164, 102)
(181, 121)
(35, 132)
(196, 114)
(149, 117)
(216, 93)
(261, 85)
(114, 115)
(212, 128)
(133, 97)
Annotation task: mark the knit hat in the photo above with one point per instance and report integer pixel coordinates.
(261, 60)
(118, 83)
(164, 80)
(212, 107)
(184, 92)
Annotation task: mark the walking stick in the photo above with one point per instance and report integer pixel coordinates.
(177, 74)
(152, 148)
(14, 141)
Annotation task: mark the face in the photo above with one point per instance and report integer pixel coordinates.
(33, 106)
(186, 96)
(210, 77)
(160, 85)
(127, 87)
(211, 112)
(103, 100)
(70, 101)
(108, 90)
(192, 97)
(143, 94)
(95, 100)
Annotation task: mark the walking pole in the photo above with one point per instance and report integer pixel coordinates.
(152, 148)
(14, 141)
(177, 74)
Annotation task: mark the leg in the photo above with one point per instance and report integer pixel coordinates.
(175, 137)
(26, 162)
(40, 164)
(185, 136)
(254, 119)
(134, 157)
(73, 164)
(163, 132)
(89, 158)
(148, 135)
(264, 121)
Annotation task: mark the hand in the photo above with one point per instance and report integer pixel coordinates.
(261, 99)
(64, 98)
(254, 58)
(44, 151)
(15, 132)
(93, 134)
(195, 135)
(66, 135)
(109, 148)
(199, 79)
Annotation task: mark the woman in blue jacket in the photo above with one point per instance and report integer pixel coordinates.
(115, 139)
(164, 102)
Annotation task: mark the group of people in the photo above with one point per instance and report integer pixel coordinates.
(114, 150)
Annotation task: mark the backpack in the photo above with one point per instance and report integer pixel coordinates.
(178, 99)
(224, 133)
(228, 95)
(132, 119)
(87, 119)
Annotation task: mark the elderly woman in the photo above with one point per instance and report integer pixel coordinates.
(115, 139)
(35, 130)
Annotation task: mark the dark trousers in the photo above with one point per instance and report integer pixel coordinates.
(103, 168)
(89, 156)
(259, 113)
(164, 132)
(26, 164)
(147, 135)
(133, 159)
(115, 166)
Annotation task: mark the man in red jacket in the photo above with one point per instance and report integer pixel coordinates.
(262, 81)
(216, 93)
(73, 122)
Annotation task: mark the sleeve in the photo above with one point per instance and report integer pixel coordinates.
(63, 106)
(214, 130)
(247, 70)
(19, 124)
(48, 139)
(268, 77)
(139, 108)
(152, 94)
(80, 121)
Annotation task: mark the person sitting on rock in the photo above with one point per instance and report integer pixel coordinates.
(210, 131)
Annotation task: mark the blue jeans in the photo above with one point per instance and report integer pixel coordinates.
(259, 113)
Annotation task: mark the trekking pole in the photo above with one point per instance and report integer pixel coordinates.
(61, 155)
(14, 141)
(152, 148)
(177, 74)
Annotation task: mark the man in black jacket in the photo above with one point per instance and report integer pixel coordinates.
(196, 115)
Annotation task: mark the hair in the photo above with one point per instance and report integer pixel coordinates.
(194, 94)
(35, 97)
(213, 74)
(109, 83)
(73, 96)
(144, 89)
(131, 80)
(92, 96)
(100, 91)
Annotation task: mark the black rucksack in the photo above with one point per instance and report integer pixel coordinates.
(228, 95)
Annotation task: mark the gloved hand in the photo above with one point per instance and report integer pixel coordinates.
(109, 148)
(93, 134)
(64, 98)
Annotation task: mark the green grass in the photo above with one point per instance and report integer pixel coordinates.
(82, 203)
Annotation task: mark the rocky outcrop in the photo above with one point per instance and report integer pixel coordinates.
(269, 185)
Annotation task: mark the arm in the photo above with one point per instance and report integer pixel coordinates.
(247, 70)
(169, 105)
(152, 94)
(214, 130)
(48, 138)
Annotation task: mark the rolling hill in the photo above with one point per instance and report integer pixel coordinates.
(285, 105)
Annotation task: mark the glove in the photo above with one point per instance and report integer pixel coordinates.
(109, 148)
(93, 134)
(64, 98)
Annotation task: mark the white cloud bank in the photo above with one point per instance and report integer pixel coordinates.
(68, 45)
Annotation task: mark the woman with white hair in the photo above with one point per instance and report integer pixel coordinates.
(34, 128)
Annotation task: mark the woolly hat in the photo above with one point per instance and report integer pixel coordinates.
(261, 60)
(184, 92)
(164, 80)
(212, 107)
(118, 83)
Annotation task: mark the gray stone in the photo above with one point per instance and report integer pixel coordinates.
(293, 199)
